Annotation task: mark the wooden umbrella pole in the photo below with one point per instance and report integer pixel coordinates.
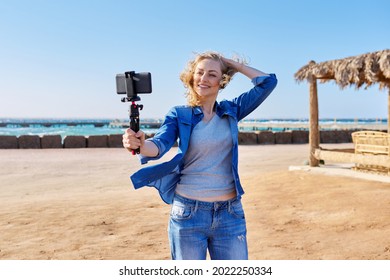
(388, 111)
(314, 133)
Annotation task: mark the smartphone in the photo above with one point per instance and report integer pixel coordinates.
(142, 82)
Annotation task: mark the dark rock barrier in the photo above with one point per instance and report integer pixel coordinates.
(283, 137)
(247, 138)
(97, 141)
(75, 142)
(266, 137)
(8, 142)
(51, 142)
(335, 136)
(29, 142)
(300, 136)
(115, 140)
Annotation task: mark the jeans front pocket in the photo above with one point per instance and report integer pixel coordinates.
(237, 210)
(181, 211)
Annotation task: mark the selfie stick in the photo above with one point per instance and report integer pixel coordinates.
(134, 120)
(134, 108)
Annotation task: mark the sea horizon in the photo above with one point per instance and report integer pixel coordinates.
(100, 119)
(109, 126)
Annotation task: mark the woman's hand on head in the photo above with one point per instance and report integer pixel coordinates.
(243, 68)
(236, 65)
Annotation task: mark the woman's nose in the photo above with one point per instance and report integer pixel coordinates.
(203, 77)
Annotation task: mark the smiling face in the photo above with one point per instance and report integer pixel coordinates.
(207, 78)
(204, 77)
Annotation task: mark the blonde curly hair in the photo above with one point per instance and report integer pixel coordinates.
(187, 76)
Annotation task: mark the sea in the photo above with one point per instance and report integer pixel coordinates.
(88, 127)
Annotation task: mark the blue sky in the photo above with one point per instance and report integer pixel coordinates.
(58, 59)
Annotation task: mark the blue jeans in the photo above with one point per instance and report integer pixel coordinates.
(196, 226)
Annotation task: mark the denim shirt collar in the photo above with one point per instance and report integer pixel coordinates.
(220, 108)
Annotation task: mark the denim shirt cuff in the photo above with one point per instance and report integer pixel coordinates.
(259, 79)
(144, 159)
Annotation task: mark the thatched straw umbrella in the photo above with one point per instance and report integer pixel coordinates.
(362, 70)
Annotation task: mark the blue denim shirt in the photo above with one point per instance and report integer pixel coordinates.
(178, 125)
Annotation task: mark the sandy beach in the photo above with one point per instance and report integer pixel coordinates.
(79, 204)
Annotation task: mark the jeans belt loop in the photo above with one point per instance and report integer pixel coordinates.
(196, 206)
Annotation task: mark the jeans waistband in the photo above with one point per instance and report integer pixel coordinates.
(206, 204)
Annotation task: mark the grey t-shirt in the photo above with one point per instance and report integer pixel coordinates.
(207, 171)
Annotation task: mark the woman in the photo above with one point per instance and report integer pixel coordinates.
(201, 181)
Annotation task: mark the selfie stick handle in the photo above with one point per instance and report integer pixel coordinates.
(134, 121)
